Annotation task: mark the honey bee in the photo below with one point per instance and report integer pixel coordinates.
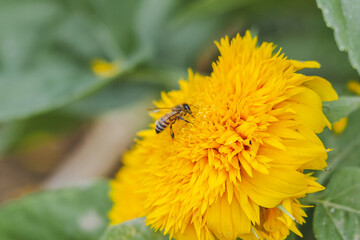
(177, 112)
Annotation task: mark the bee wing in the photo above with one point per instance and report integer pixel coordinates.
(155, 110)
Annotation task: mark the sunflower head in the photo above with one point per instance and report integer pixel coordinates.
(239, 155)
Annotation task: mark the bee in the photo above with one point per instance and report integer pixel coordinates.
(177, 112)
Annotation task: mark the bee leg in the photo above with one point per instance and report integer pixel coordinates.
(171, 131)
(189, 114)
(184, 120)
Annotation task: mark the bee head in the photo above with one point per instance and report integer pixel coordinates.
(187, 108)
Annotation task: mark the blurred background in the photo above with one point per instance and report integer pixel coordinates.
(76, 76)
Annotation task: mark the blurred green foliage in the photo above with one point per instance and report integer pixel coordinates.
(47, 85)
(344, 18)
(48, 45)
(346, 148)
(341, 108)
(73, 213)
(132, 230)
(337, 212)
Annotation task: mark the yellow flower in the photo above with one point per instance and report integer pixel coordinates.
(339, 126)
(105, 69)
(237, 169)
(354, 86)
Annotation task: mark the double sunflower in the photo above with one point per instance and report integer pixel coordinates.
(237, 170)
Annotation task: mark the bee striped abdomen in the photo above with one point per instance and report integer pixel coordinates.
(177, 112)
(161, 124)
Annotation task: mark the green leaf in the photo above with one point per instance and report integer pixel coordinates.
(343, 16)
(337, 212)
(132, 230)
(74, 213)
(341, 108)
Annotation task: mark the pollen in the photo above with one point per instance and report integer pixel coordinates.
(253, 132)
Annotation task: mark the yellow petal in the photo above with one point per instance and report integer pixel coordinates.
(311, 117)
(354, 86)
(323, 88)
(189, 233)
(339, 126)
(306, 64)
(227, 221)
(268, 190)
